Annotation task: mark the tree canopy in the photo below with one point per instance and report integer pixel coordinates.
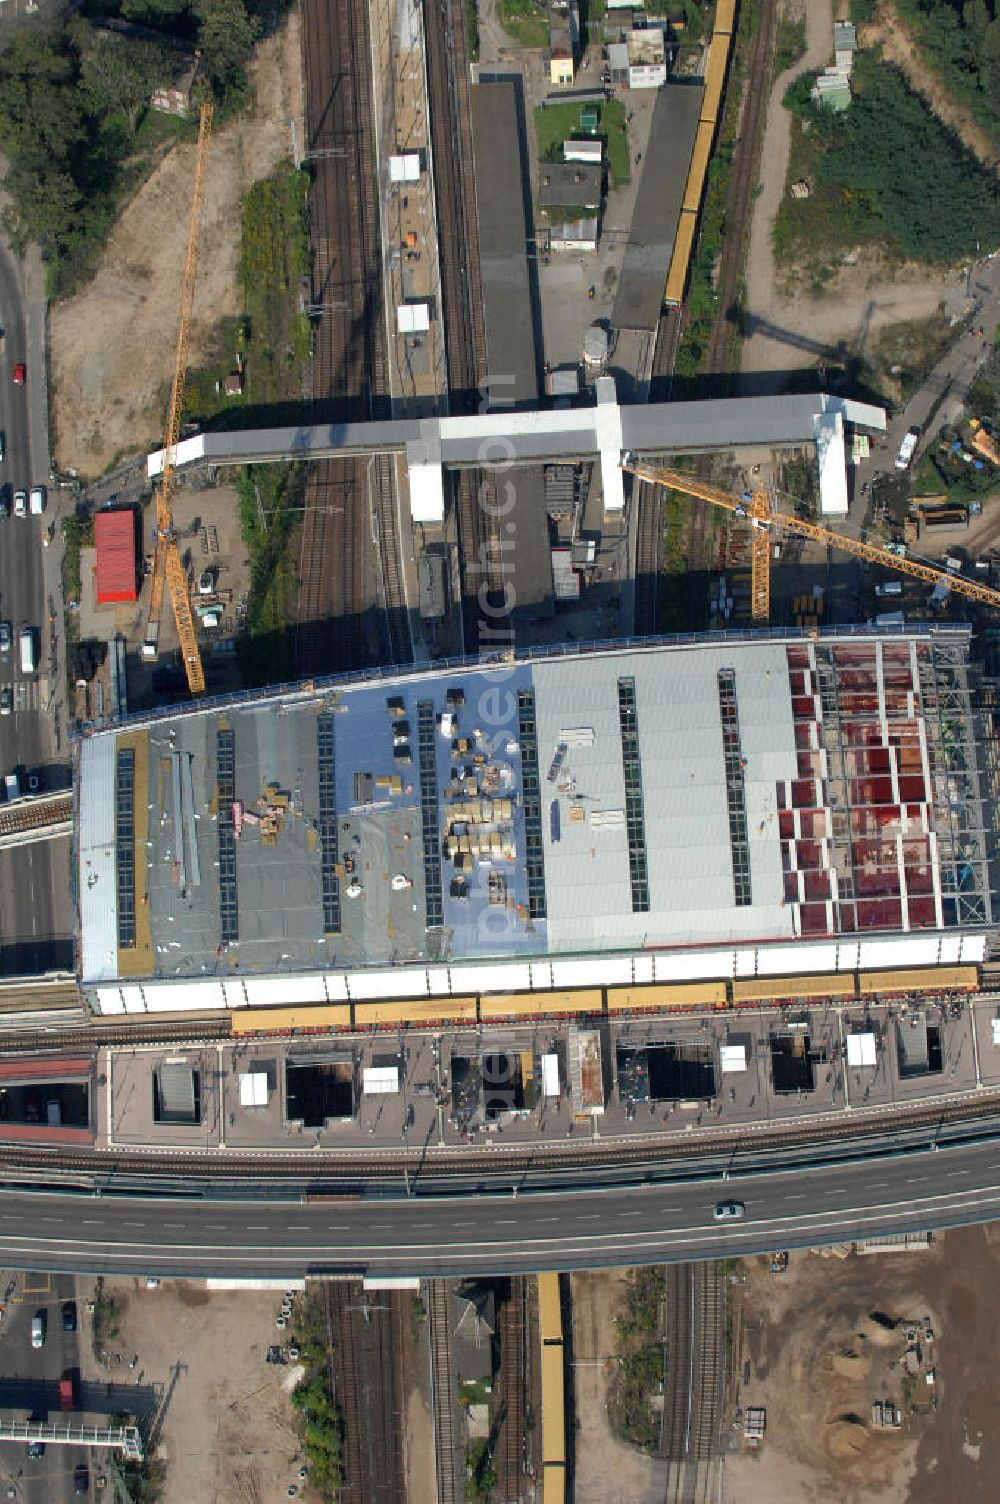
(961, 40)
(900, 175)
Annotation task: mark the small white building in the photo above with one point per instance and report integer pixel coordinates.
(413, 318)
(647, 59)
(575, 235)
(584, 151)
(405, 169)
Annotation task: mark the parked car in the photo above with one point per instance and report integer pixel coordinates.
(20, 503)
(38, 1324)
(729, 1211)
(6, 636)
(69, 1315)
(5, 495)
(20, 373)
(6, 700)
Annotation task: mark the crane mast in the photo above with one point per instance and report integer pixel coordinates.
(766, 521)
(166, 559)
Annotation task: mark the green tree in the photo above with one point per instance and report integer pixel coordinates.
(226, 36)
(120, 73)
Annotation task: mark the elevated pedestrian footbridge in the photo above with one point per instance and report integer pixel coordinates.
(602, 432)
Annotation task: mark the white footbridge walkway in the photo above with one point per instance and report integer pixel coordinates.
(605, 431)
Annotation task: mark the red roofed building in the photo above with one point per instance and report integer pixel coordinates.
(115, 533)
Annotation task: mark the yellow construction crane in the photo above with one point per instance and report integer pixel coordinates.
(167, 559)
(766, 523)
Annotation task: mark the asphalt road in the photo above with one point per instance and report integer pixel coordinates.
(496, 1234)
(35, 910)
(29, 1386)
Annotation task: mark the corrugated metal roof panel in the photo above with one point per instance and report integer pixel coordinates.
(96, 857)
(117, 555)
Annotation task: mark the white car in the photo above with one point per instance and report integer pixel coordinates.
(729, 1211)
(36, 501)
(20, 503)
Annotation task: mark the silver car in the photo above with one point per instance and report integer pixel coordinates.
(729, 1211)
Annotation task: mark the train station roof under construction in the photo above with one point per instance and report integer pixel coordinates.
(651, 811)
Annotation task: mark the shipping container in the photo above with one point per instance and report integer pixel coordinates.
(788, 989)
(282, 1020)
(116, 540)
(680, 995)
(936, 979)
(416, 1011)
(530, 1004)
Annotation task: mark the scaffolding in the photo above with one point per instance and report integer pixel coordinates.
(886, 826)
(124, 1439)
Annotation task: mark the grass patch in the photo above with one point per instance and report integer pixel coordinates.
(321, 1428)
(78, 533)
(524, 21)
(471, 13)
(480, 1472)
(885, 173)
(105, 1326)
(272, 341)
(640, 1361)
(557, 123)
(270, 503)
(790, 45)
(475, 1393)
(902, 355)
(940, 473)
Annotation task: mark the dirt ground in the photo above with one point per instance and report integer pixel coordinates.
(228, 1433)
(607, 1470)
(890, 32)
(112, 346)
(817, 1360)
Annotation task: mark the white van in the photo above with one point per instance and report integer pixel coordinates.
(29, 658)
(36, 502)
(907, 448)
(38, 1329)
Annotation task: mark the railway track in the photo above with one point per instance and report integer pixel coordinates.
(341, 1337)
(721, 343)
(512, 1384)
(443, 1393)
(709, 1338)
(345, 1174)
(694, 1353)
(463, 316)
(350, 357)
(365, 1329)
(678, 1357)
(743, 179)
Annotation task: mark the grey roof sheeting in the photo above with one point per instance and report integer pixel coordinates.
(658, 206)
(568, 184)
(533, 437)
(503, 242)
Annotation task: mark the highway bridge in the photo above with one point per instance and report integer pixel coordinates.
(922, 1182)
